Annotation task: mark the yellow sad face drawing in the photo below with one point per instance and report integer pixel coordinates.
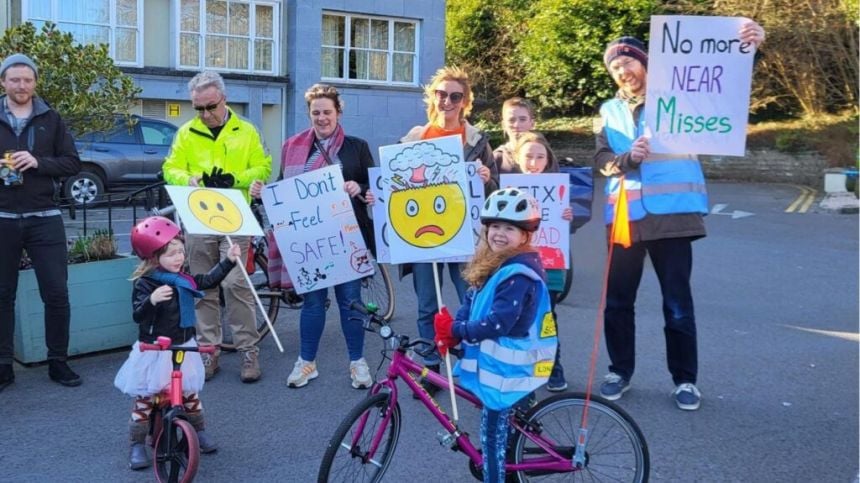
(428, 216)
(215, 210)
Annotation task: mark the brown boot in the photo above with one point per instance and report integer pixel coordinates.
(138, 457)
(210, 364)
(250, 367)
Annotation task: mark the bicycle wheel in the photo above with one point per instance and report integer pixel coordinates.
(378, 289)
(177, 456)
(346, 457)
(271, 300)
(615, 450)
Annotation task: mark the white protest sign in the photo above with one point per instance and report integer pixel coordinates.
(379, 212)
(210, 211)
(316, 230)
(551, 191)
(476, 202)
(698, 86)
(426, 190)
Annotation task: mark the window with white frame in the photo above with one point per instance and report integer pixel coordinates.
(358, 48)
(228, 35)
(118, 23)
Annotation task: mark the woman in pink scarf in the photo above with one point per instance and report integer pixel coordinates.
(325, 143)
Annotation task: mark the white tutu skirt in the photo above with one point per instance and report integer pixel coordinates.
(147, 373)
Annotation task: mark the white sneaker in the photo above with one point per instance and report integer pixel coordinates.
(360, 374)
(303, 371)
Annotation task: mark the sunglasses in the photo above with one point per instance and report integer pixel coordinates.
(454, 97)
(209, 108)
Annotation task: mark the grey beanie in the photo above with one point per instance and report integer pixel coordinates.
(18, 59)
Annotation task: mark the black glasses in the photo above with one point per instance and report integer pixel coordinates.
(209, 108)
(454, 97)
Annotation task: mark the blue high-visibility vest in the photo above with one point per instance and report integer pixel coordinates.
(504, 370)
(664, 184)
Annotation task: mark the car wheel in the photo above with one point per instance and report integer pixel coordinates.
(84, 187)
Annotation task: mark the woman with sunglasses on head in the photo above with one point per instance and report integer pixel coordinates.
(449, 100)
(324, 144)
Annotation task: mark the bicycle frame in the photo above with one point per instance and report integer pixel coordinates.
(404, 368)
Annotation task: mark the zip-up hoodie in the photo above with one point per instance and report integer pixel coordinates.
(47, 138)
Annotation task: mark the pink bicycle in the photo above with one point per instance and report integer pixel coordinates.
(174, 441)
(566, 437)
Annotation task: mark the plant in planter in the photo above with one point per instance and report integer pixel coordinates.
(99, 295)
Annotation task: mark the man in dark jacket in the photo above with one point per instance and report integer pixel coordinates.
(38, 150)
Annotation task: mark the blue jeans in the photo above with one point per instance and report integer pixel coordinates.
(494, 442)
(44, 238)
(673, 262)
(312, 320)
(425, 290)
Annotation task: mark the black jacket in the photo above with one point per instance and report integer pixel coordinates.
(46, 137)
(163, 319)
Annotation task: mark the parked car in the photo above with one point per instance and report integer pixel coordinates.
(122, 158)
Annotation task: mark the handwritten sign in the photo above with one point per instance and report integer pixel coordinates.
(426, 191)
(698, 86)
(210, 211)
(316, 230)
(379, 213)
(551, 191)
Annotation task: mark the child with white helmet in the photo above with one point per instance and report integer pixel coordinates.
(163, 305)
(505, 324)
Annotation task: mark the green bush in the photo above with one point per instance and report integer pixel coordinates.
(562, 49)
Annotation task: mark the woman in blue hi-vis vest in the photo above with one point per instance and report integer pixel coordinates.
(666, 202)
(505, 324)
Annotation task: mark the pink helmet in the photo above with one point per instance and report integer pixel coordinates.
(151, 234)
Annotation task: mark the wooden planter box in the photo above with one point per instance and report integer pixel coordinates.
(100, 298)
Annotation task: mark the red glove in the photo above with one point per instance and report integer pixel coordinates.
(442, 323)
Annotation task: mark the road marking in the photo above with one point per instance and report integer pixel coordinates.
(735, 214)
(852, 336)
(803, 201)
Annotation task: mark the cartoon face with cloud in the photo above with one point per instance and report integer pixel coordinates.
(426, 209)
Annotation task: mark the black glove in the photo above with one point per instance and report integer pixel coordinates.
(218, 179)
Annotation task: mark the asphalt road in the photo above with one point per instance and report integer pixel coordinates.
(777, 307)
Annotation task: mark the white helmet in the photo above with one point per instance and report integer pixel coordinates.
(512, 206)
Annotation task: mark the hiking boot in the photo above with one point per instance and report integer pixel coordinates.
(210, 364)
(61, 373)
(360, 374)
(303, 371)
(556, 383)
(7, 375)
(138, 457)
(428, 386)
(250, 367)
(613, 387)
(205, 441)
(687, 397)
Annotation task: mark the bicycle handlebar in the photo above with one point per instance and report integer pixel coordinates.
(405, 341)
(165, 344)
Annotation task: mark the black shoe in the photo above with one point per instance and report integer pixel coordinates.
(61, 373)
(428, 386)
(206, 443)
(7, 376)
(138, 458)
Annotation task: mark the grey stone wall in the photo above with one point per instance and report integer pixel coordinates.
(770, 166)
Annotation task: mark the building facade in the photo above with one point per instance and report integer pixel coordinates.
(376, 52)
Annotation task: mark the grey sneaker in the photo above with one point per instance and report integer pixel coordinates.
(687, 397)
(303, 371)
(359, 372)
(614, 386)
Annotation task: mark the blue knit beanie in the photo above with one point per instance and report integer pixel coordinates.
(626, 46)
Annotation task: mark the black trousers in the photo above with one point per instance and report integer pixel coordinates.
(44, 238)
(672, 259)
